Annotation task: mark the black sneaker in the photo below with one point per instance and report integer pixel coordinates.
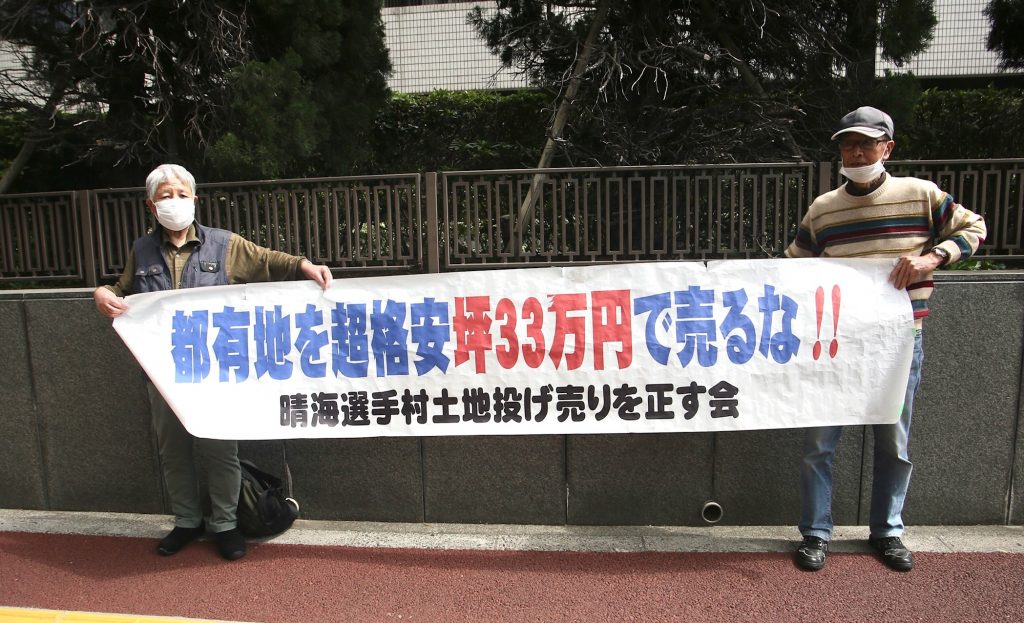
(179, 538)
(893, 553)
(811, 553)
(230, 544)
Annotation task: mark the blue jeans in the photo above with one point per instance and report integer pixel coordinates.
(891, 475)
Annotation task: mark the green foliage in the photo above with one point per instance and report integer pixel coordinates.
(974, 123)
(152, 72)
(696, 80)
(445, 130)
(975, 264)
(896, 94)
(230, 88)
(13, 125)
(277, 124)
(906, 28)
(1005, 37)
(306, 103)
(56, 165)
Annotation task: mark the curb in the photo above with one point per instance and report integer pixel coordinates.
(507, 537)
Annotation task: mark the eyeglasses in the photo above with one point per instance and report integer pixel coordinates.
(865, 144)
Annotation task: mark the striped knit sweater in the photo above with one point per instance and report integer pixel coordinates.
(903, 216)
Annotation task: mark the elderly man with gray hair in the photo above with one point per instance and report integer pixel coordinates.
(181, 253)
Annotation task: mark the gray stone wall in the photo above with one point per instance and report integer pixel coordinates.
(75, 435)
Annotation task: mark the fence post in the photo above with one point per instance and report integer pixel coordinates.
(83, 201)
(824, 179)
(433, 247)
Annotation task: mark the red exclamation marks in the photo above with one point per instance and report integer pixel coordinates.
(819, 304)
(819, 308)
(833, 348)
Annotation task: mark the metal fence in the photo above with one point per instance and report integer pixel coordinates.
(350, 223)
(41, 237)
(417, 223)
(370, 224)
(622, 214)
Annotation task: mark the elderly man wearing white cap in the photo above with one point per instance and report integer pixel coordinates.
(876, 215)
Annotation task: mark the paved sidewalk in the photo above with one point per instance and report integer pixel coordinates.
(65, 566)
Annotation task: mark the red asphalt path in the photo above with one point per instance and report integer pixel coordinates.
(310, 584)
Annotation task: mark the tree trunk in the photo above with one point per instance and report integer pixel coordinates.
(860, 43)
(558, 125)
(24, 154)
(33, 138)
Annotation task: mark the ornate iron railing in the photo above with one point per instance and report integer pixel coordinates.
(621, 214)
(417, 223)
(41, 237)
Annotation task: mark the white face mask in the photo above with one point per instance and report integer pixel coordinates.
(865, 174)
(176, 214)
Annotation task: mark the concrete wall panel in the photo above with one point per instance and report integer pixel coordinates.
(21, 456)
(93, 411)
(649, 479)
(378, 479)
(500, 479)
(966, 414)
(1017, 488)
(757, 477)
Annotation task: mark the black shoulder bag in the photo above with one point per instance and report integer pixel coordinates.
(264, 509)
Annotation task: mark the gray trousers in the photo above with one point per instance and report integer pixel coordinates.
(220, 462)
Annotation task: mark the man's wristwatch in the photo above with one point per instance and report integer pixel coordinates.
(942, 253)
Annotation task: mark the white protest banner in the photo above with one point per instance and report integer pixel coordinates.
(637, 348)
